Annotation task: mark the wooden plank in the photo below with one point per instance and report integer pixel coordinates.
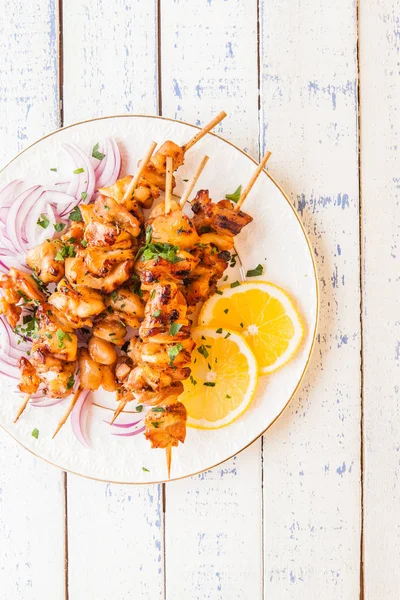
(380, 184)
(31, 491)
(114, 531)
(110, 58)
(213, 521)
(312, 455)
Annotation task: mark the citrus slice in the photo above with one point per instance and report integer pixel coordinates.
(223, 378)
(264, 314)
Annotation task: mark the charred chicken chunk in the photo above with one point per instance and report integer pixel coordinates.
(78, 304)
(42, 259)
(30, 381)
(166, 428)
(220, 218)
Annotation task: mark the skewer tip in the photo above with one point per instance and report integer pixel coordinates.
(22, 407)
(168, 451)
(118, 411)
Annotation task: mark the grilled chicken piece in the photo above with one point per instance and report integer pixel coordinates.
(165, 307)
(90, 374)
(111, 212)
(77, 304)
(105, 235)
(174, 228)
(143, 195)
(30, 381)
(57, 375)
(99, 261)
(18, 289)
(42, 259)
(167, 428)
(101, 351)
(75, 232)
(146, 377)
(54, 336)
(162, 355)
(77, 274)
(159, 159)
(203, 280)
(159, 269)
(126, 305)
(147, 396)
(110, 329)
(219, 217)
(123, 367)
(222, 242)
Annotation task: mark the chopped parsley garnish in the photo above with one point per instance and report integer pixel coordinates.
(41, 285)
(43, 221)
(185, 180)
(59, 226)
(152, 295)
(225, 278)
(203, 350)
(31, 329)
(145, 470)
(96, 153)
(83, 195)
(174, 328)
(48, 335)
(219, 330)
(192, 380)
(173, 352)
(156, 314)
(227, 335)
(203, 338)
(226, 311)
(209, 366)
(155, 424)
(219, 292)
(84, 243)
(77, 171)
(53, 169)
(228, 396)
(205, 229)
(241, 325)
(61, 335)
(236, 194)
(35, 433)
(76, 215)
(255, 272)
(158, 409)
(233, 260)
(66, 251)
(139, 408)
(209, 383)
(166, 251)
(235, 284)
(114, 296)
(106, 207)
(70, 382)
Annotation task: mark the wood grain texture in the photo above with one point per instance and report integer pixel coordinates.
(312, 498)
(115, 541)
(110, 58)
(380, 184)
(213, 521)
(115, 532)
(31, 493)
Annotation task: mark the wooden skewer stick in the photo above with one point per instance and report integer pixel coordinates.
(68, 412)
(168, 185)
(22, 407)
(143, 164)
(252, 181)
(204, 131)
(118, 410)
(189, 189)
(168, 451)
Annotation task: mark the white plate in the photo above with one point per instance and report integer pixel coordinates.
(275, 238)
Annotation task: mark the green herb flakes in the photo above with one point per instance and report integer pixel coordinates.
(35, 433)
(96, 153)
(255, 272)
(236, 194)
(43, 221)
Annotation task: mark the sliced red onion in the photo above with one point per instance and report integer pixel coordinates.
(45, 402)
(130, 433)
(35, 233)
(6, 262)
(8, 193)
(17, 214)
(112, 164)
(79, 417)
(81, 183)
(124, 425)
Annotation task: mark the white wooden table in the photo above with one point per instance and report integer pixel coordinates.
(312, 510)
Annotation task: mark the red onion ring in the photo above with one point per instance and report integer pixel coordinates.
(17, 214)
(124, 425)
(131, 433)
(79, 417)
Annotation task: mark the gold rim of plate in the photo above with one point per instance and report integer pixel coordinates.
(316, 291)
